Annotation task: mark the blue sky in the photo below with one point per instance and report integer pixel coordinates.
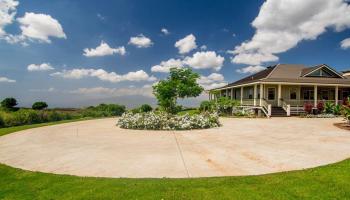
(222, 40)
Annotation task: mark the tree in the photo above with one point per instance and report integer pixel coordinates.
(181, 83)
(40, 105)
(9, 103)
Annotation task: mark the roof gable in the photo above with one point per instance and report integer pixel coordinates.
(321, 71)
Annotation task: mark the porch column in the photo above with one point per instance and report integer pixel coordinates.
(231, 93)
(255, 93)
(242, 95)
(261, 94)
(279, 96)
(336, 95)
(315, 95)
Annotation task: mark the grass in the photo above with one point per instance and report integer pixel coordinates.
(4, 131)
(327, 182)
(190, 112)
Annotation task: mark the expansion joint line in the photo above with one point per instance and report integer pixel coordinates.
(181, 155)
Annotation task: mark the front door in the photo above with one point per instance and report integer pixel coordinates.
(271, 96)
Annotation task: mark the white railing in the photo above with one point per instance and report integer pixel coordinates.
(266, 108)
(286, 107)
(301, 103)
(248, 102)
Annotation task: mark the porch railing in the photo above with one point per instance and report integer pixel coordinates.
(266, 107)
(285, 106)
(301, 103)
(248, 102)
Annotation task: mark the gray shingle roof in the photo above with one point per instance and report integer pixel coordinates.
(292, 73)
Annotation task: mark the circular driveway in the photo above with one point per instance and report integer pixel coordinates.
(241, 147)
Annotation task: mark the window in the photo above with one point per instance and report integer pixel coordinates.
(308, 94)
(324, 72)
(271, 93)
(324, 95)
(293, 93)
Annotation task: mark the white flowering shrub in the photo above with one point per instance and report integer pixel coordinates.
(164, 121)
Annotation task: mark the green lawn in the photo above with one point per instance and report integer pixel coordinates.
(4, 131)
(328, 182)
(190, 112)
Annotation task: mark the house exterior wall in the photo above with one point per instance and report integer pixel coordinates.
(287, 89)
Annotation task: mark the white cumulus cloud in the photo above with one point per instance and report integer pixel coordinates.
(104, 50)
(34, 27)
(7, 80)
(205, 60)
(199, 60)
(250, 69)
(186, 44)
(104, 75)
(141, 41)
(40, 27)
(7, 14)
(165, 66)
(165, 31)
(345, 44)
(212, 81)
(282, 24)
(41, 67)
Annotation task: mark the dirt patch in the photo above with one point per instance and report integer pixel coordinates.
(343, 125)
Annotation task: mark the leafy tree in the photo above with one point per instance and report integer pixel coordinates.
(181, 83)
(146, 108)
(9, 103)
(40, 105)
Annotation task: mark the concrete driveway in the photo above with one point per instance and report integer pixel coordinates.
(241, 147)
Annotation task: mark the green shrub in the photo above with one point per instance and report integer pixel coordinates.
(223, 105)
(329, 108)
(337, 110)
(31, 116)
(207, 106)
(104, 110)
(40, 105)
(54, 116)
(135, 110)
(146, 108)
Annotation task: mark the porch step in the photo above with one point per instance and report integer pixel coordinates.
(278, 112)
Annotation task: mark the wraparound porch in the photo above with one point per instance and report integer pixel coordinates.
(290, 96)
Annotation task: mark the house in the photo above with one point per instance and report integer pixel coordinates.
(284, 89)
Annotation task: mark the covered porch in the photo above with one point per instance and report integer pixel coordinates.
(289, 96)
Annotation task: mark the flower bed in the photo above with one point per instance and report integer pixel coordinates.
(164, 121)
